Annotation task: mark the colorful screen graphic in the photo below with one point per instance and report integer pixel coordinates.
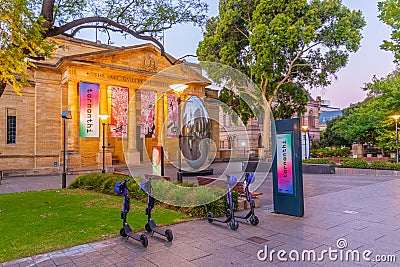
(172, 129)
(119, 111)
(147, 116)
(89, 109)
(284, 163)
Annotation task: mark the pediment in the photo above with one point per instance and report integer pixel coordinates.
(143, 57)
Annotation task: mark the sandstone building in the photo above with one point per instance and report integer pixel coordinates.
(90, 79)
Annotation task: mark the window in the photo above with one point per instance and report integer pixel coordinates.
(11, 126)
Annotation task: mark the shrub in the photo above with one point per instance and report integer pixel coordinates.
(319, 161)
(353, 163)
(104, 183)
(327, 152)
(381, 165)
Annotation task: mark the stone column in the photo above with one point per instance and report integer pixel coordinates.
(132, 155)
(74, 156)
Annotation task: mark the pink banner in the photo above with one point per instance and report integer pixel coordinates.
(119, 111)
(172, 122)
(89, 109)
(147, 116)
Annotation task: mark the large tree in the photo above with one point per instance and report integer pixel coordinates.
(369, 121)
(390, 14)
(284, 46)
(25, 26)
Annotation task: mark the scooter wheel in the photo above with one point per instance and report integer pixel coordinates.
(169, 235)
(233, 224)
(210, 217)
(148, 228)
(254, 220)
(143, 240)
(122, 232)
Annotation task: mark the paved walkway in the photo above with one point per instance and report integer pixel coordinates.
(342, 213)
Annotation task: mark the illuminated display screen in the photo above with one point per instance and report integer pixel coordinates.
(284, 163)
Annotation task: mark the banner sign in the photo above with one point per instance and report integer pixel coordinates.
(119, 111)
(147, 116)
(157, 160)
(284, 163)
(89, 109)
(172, 122)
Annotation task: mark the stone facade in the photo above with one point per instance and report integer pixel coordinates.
(55, 87)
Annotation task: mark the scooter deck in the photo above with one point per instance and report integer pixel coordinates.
(130, 233)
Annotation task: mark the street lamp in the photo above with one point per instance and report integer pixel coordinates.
(304, 129)
(396, 118)
(104, 118)
(179, 89)
(66, 115)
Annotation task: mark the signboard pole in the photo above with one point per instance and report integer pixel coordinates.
(287, 168)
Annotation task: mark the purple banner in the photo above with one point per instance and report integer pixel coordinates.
(284, 163)
(89, 109)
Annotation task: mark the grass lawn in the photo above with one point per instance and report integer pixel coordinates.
(37, 222)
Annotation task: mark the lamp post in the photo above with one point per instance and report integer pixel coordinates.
(396, 118)
(66, 115)
(304, 129)
(178, 89)
(103, 118)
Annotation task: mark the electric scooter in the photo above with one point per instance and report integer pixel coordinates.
(230, 212)
(151, 227)
(250, 216)
(126, 231)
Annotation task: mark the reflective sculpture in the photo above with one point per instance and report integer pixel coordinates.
(195, 132)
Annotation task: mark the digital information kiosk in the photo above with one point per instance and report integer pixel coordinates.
(287, 168)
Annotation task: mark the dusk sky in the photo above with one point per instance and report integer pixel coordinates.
(370, 60)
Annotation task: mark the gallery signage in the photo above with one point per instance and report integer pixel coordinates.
(284, 163)
(89, 109)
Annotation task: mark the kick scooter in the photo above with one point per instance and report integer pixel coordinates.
(250, 216)
(230, 213)
(126, 231)
(151, 227)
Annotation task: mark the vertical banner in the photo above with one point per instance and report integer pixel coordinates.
(284, 163)
(147, 116)
(89, 109)
(119, 111)
(172, 121)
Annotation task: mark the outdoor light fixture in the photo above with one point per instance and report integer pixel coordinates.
(104, 117)
(304, 129)
(396, 118)
(66, 115)
(244, 149)
(178, 89)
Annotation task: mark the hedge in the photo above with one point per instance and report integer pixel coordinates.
(104, 183)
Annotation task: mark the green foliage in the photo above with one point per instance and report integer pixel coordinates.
(21, 36)
(390, 14)
(369, 121)
(353, 163)
(319, 161)
(174, 192)
(330, 152)
(283, 46)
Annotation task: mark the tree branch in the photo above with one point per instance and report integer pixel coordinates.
(80, 22)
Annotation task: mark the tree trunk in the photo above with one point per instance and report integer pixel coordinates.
(2, 88)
